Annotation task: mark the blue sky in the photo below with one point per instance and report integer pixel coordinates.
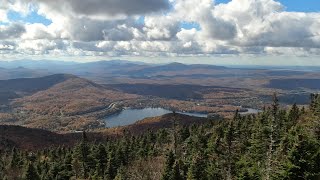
(33, 17)
(294, 5)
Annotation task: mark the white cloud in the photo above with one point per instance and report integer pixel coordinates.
(161, 27)
(3, 15)
(7, 46)
(37, 31)
(11, 31)
(104, 9)
(186, 35)
(110, 28)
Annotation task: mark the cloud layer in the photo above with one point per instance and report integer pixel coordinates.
(157, 28)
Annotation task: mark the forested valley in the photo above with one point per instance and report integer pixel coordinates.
(274, 144)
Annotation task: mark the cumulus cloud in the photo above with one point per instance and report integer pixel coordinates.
(161, 28)
(213, 26)
(112, 28)
(7, 45)
(42, 46)
(11, 31)
(37, 31)
(102, 9)
(3, 15)
(119, 33)
(287, 30)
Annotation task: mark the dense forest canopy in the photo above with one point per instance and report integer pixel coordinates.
(274, 144)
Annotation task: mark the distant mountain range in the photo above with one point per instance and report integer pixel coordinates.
(58, 64)
(128, 72)
(95, 70)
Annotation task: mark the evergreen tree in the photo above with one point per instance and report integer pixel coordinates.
(304, 158)
(101, 158)
(184, 133)
(81, 155)
(112, 165)
(315, 104)
(15, 159)
(272, 121)
(195, 171)
(230, 137)
(1, 167)
(167, 175)
(66, 170)
(31, 173)
(121, 175)
(176, 174)
(293, 116)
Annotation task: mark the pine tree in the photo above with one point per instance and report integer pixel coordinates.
(304, 157)
(294, 115)
(31, 173)
(184, 133)
(315, 104)
(274, 110)
(230, 137)
(176, 175)
(112, 165)
(174, 129)
(82, 153)
(15, 159)
(195, 171)
(168, 166)
(101, 158)
(121, 175)
(66, 170)
(1, 166)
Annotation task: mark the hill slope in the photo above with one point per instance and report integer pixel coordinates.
(31, 139)
(27, 138)
(14, 88)
(33, 84)
(58, 102)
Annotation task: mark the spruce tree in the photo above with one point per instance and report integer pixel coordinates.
(176, 174)
(31, 173)
(167, 175)
(293, 116)
(272, 122)
(230, 137)
(112, 165)
(121, 175)
(1, 166)
(101, 158)
(82, 153)
(304, 157)
(15, 159)
(195, 170)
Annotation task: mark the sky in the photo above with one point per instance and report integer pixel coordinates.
(253, 32)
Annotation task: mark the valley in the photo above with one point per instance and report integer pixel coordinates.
(63, 102)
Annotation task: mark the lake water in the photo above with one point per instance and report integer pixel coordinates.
(130, 116)
(251, 111)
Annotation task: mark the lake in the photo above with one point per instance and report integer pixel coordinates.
(251, 111)
(130, 116)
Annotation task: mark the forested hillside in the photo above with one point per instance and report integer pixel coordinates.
(275, 144)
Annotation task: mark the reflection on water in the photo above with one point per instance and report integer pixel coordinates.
(130, 116)
(251, 111)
